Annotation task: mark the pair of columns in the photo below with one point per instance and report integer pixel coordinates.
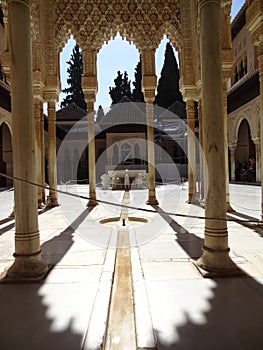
(40, 151)
(28, 262)
(90, 89)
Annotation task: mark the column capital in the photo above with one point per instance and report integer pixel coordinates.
(89, 83)
(90, 88)
(149, 83)
(227, 62)
(256, 141)
(38, 88)
(189, 92)
(51, 94)
(232, 147)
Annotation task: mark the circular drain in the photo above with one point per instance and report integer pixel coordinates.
(131, 221)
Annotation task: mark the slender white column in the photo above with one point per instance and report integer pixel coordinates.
(202, 172)
(233, 162)
(215, 257)
(91, 149)
(90, 87)
(28, 262)
(258, 159)
(37, 111)
(228, 205)
(191, 151)
(52, 167)
(151, 159)
(149, 82)
(42, 142)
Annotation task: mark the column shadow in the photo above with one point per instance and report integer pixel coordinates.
(26, 319)
(229, 317)
(255, 226)
(188, 241)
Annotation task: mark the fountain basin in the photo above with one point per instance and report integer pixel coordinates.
(117, 221)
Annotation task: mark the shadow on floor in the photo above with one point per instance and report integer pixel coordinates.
(226, 315)
(54, 249)
(26, 321)
(188, 241)
(254, 224)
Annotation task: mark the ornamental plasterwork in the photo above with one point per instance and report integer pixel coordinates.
(143, 22)
(250, 112)
(6, 117)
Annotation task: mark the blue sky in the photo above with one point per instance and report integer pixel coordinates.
(117, 55)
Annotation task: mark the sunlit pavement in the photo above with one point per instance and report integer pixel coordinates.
(174, 306)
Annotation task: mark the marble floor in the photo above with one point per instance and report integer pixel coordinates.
(173, 305)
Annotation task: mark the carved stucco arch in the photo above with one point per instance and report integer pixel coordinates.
(92, 24)
(6, 118)
(166, 29)
(244, 115)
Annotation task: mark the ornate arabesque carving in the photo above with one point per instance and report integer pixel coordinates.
(142, 22)
(251, 113)
(92, 24)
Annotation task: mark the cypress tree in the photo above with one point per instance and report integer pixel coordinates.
(122, 88)
(137, 94)
(74, 91)
(100, 114)
(168, 86)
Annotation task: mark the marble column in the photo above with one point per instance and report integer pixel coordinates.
(228, 205)
(201, 152)
(215, 258)
(233, 162)
(152, 200)
(42, 142)
(91, 150)
(28, 261)
(258, 160)
(52, 155)
(90, 87)
(37, 112)
(190, 108)
(149, 82)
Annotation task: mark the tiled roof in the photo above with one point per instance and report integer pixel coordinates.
(70, 112)
(177, 109)
(125, 112)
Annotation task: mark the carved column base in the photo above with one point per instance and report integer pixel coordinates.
(229, 209)
(92, 203)
(27, 267)
(216, 262)
(40, 204)
(52, 201)
(12, 214)
(193, 198)
(152, 200)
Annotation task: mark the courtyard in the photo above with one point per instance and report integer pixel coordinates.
(166, 302)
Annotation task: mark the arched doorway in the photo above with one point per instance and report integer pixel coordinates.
(6, 155)
(245, 154)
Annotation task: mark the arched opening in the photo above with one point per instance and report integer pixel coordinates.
(115, 55)
(245, 154)
(6, 156)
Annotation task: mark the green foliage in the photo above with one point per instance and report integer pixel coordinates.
(74, 91)
(137, 94)
(122, 88)
(100, 114)
(168, 86)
